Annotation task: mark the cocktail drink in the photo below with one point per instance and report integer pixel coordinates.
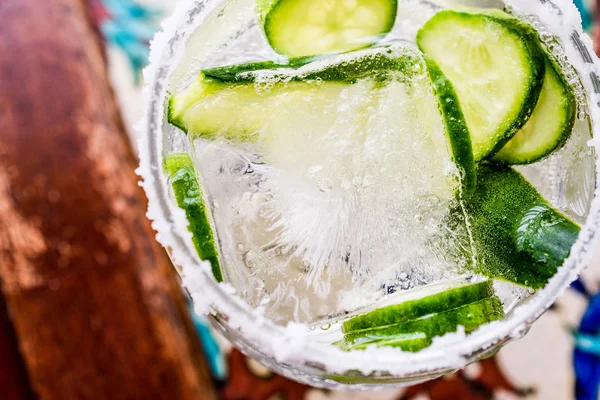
(381, 191)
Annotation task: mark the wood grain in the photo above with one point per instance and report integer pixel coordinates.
(96, 306)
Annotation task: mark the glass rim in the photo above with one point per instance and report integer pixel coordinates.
(286, 350)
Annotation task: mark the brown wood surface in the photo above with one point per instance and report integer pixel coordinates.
(96, 306)
(14, 384)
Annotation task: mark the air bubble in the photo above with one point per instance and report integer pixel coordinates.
(249, 259)
(325, 186)
(257, 159)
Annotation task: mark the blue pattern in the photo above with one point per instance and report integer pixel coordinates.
(586, 14)
(212, 351)
(129, 26)
(586, 355)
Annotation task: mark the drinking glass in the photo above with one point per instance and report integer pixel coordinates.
(203, 30)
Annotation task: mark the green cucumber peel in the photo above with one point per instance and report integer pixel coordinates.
(456, 127)
(182, 175)
(550, 125)
(413, 309)
(470, 316)
(518, 236)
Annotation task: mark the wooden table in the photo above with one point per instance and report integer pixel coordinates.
(90, 307)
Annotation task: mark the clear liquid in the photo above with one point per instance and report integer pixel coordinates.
(307, 234)
(340, 205)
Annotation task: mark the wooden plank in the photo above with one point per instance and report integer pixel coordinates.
(95, 303)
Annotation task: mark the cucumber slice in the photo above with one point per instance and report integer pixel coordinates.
(229, 102)
(308, 27)
(411, 342)
(239, 72)
(237, 113)
(471, 316)
(248, 100)
(550, 124)
(200, 88)
(375, 63)
(456, 126)
(517, 235)
(496, 67)
(187, 192)
(414, 309)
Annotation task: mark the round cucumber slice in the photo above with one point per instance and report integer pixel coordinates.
(496, 67)
(188, 195)
(550, 124)
(309, 27)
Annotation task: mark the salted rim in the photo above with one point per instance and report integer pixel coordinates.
(286, 349)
